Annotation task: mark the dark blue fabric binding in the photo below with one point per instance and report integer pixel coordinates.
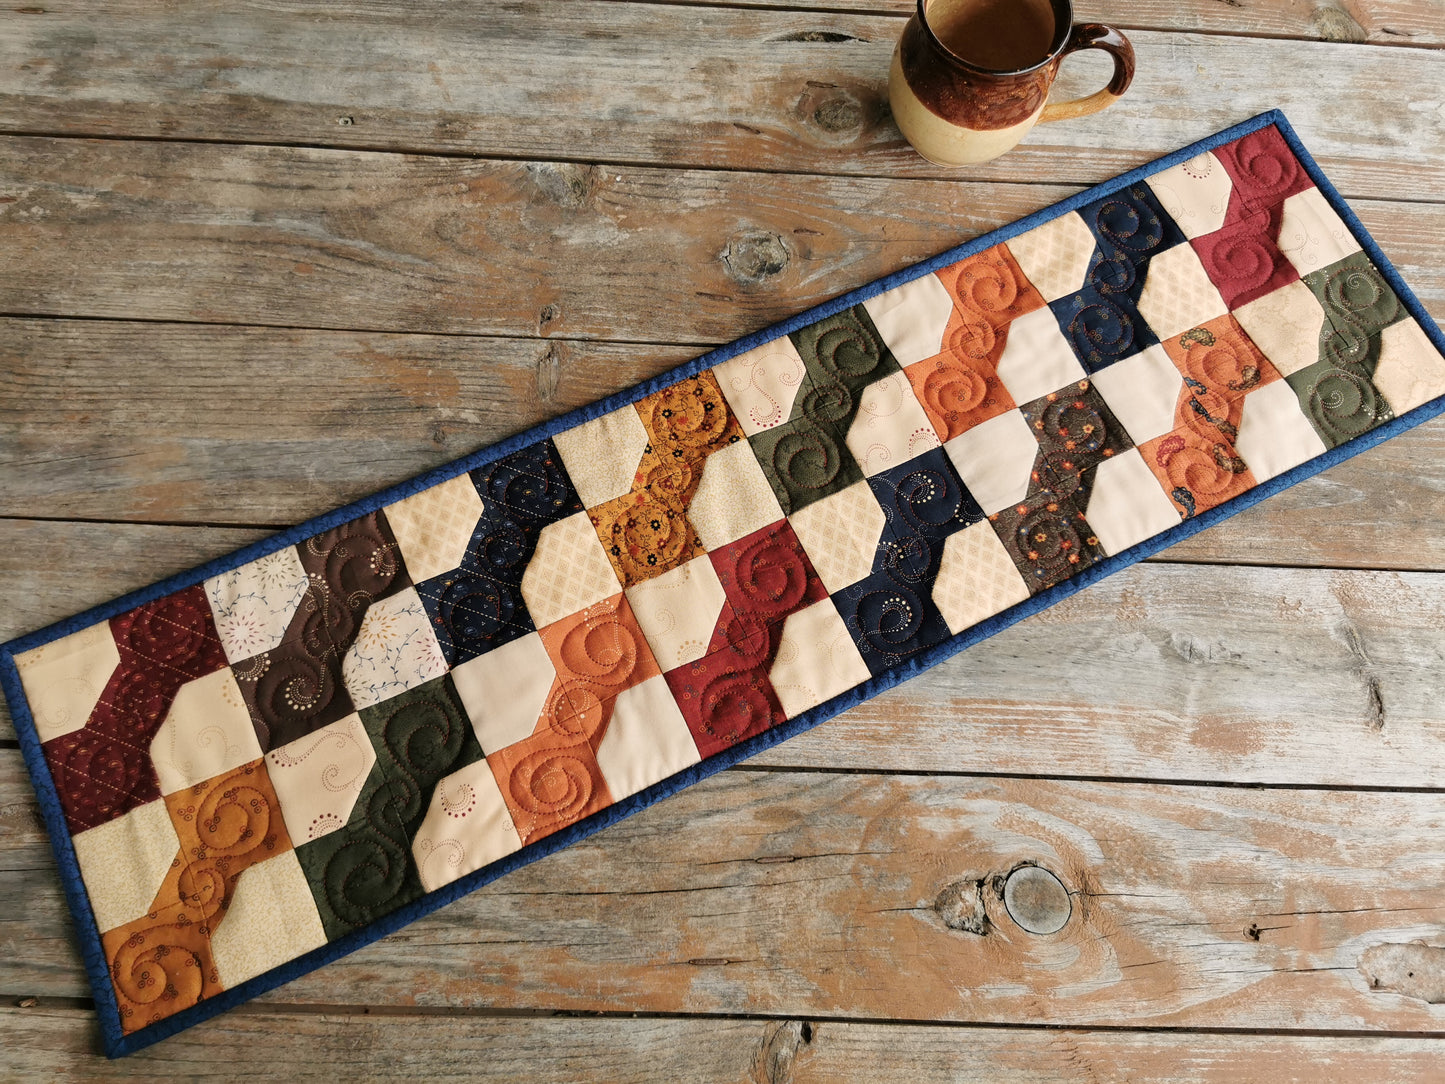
(118, 1044)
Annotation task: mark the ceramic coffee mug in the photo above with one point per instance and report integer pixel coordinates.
(970, 78)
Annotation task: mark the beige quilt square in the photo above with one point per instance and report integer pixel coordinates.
(124, 861)
(272, 919)
(890, 427)
(207, 732)
(1055, 256)
(646, 739)
(318, 778)
(433, 527)
(976, 578)
(733, 499)
(912, 318)
(1195, 193)
(678, 611)
(816, 660)
(761, 384)
(63, 680)
(467, 826)
(602, 456)
(840, 535)
(568, 572)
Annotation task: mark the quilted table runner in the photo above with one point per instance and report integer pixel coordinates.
(255, 767)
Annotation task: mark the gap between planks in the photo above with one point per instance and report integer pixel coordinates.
(765, 1050)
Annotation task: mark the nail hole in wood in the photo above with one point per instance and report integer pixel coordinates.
(1037, 900)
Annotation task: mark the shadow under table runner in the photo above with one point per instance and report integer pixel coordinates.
(258, 766)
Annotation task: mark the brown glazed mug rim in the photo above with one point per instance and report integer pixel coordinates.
(1062, 29)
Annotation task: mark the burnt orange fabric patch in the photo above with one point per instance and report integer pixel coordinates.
(646, 532)
(551, 779)
(960, 387)
(161, 963)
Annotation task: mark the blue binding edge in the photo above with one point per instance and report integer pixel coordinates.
(118, 1044)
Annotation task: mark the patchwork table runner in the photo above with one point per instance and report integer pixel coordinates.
(258, 766)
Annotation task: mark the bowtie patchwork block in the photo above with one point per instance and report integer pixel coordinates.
(256, 767)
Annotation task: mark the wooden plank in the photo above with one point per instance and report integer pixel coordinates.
(1380, 22)
(818, 894)
(1214, 673)
(59, 1043)
(273, 426)
(353, 240)
(189, 423)
(646, 84)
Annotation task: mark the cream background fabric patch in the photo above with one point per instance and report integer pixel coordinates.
(1195, 193)
(976, 578)
(1127, 504)
(995, 460)
(840, 535)
(733, 499)
(318, 778)
(433, 527)
(1177, 293)
(816, 660)
(1274, 434)
(1312, 236)
(568, 572)
(678, 611)
(1055, 256)
(760, 385)
(505, 690)
(890, 427)
(1410, 370)
(63, 680)
(395, 650)
(1037, 359)
(124, 861)
(272, 919)
(646, 739)
(912, 318)
(207, 731)
(1143, 392)
(1285, 325)
(252, 605)
(601, 456)
(467, 825)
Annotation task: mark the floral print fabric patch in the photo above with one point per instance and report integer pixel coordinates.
(279, 756)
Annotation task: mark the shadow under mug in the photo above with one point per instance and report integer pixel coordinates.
(957, 113)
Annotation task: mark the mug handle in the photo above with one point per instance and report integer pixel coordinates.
(1095, 36)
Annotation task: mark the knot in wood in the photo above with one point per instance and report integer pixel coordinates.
(961, 907)
(756, 257)
(1037, 900)
(564, 183)
(841, 113)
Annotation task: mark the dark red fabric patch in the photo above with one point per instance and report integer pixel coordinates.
(104, 770)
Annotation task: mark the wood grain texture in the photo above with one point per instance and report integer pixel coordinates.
(273, 426)
(1381, 22)
(264, 425)
(1221, 673)
(55, 1042)
(340, 239)
(685, 86)
(855, 895)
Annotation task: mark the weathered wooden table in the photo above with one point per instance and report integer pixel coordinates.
(254, 265)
